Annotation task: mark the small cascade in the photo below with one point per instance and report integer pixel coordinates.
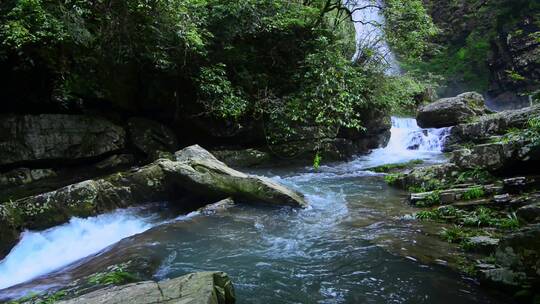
(407, 142)
(368, 22)
(407, 136)
(39, 253)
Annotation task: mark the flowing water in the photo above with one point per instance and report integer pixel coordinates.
(354, 244)
(370, 39)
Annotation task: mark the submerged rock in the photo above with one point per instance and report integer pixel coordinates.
(196, 172)
(54, 137)
(195, 288)
(449, 112)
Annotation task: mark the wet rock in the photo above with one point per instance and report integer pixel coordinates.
(503, 276)
(491, 125)
(242, 158)
(502, 199)
(218, 207)
(424, 177)
(482, 244)
(195, 288)
(518, 258)
(529, 214)
(150, 137)
(55, 137)
(200, 172)
(24, 176)
(115, 161)
(449, 112)
(516, 184)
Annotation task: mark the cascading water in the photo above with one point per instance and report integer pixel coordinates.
(407, 142)
(39, 253)
(368, 22)
(407, 136)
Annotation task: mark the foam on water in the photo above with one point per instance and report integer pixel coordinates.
(39, 253)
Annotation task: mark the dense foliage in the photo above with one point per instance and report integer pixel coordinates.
(237, 60)
(473, 36)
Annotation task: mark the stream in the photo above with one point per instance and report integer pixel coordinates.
(356, 243)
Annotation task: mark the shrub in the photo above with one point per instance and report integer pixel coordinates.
(392, 179)
(115, 276)
(473, 193)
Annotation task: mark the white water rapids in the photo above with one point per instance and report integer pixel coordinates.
(39, 253)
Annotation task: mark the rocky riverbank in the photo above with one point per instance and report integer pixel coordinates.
(487, 197)
(192, 173)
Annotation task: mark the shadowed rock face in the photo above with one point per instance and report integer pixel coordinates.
(52, 137)
(149, 136)
(195, 288)
(196, 172)
(449, 112)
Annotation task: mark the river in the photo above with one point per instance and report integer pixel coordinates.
(356, 243)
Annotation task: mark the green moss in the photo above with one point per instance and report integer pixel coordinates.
(390, 167)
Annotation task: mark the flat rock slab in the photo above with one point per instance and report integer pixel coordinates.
(195, 288)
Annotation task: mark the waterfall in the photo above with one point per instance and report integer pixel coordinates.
(408, 136)
(407, 142)
(368, 22)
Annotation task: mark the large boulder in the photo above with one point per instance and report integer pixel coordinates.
(490, 125)
(195, 288)
(196, 172)
(449, 112)
(200, 172)
(150, 137)
(56, 137)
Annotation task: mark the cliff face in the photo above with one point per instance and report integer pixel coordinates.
(501, 37)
